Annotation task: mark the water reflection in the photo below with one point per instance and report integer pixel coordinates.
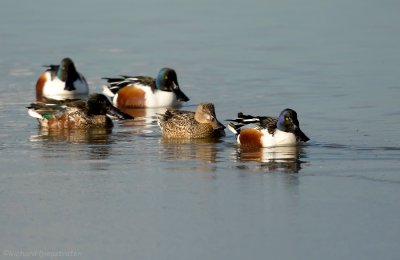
(146, 114)
(285, 159)
(96, 143)
(145, 121)
(203, 151)
(78, 136)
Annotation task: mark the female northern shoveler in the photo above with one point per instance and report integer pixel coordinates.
(270, 131)
(78, 114)
(144, 91)
(61, 82)
(186, 124)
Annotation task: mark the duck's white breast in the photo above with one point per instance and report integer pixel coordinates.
(279, 138)
(55, 88)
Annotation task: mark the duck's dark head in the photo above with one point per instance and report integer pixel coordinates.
(67, 72)
(288, 122)
(168, 81)
(98, 104)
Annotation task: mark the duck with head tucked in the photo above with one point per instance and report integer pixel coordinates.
(187, 124)
(269, 131)
(61, 82)
(76, 114)
(145, 91)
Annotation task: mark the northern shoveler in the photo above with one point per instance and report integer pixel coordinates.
(144, 91)
(61, 82)
(78, 114)
(187, 124)
(269, 131)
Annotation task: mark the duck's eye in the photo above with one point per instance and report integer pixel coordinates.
(209, 117)
(286, 118)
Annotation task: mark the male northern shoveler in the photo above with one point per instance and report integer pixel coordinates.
(269, 131)
(61, 82)
(144, 91)
(186, 124)
(78, 114)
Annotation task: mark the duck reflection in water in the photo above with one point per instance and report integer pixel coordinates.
(195, 154)
(149, 115)
(76, 136)
(145, 120)
(98, 138)
(286, 159)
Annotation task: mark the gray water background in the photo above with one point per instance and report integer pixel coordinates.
(129, 194)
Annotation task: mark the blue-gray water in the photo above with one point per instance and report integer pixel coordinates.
(129, 194)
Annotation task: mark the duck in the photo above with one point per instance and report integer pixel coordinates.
(268, 131)
(96, 112)
(202, 123)
(61, 82)
(146, 91)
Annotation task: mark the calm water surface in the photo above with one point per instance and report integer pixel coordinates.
(129, 194)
